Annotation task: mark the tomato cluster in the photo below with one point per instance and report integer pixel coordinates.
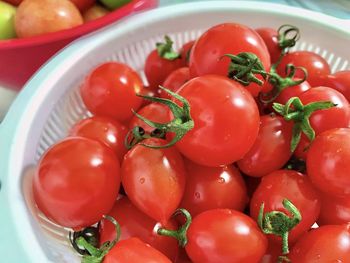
(233, 151)
(26, 18)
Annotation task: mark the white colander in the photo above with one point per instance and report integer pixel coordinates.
(50, 102)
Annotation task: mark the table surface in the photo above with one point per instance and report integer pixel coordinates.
(338, 8)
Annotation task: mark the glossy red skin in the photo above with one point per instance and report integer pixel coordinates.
(323, 120)
(324, 244)
(270, 37)
(134, 250)
(316, 66)
(83, 5)
(105, 130)
(271, 149)
(334, 210)
(226, 121)
(174, 81)
(328, 162)
(224, 235)
(157, 69)
(293, 91)
(213, 187)
(228, 38)
(134, 223)
(77, 182)
(154, 112)
(272, 253)
(110, 90)
(154, 179)
(294, 186)
(339, 81)
(185, 55)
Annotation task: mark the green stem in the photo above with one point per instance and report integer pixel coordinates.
(288, 35)
(165, 49)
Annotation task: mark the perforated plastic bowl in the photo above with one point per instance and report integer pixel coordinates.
(50, 103)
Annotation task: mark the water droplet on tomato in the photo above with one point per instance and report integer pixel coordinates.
(142, 180)
(221, 180)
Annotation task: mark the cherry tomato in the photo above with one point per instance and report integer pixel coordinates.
(324, 244)
(134, 223)
(186, 52)
(110, 90)
(293, 91)
(7, 17)
(316, 66)
(154, 179)
(226, 121)
(104, 130)
(83, 5)
(291, 185)
(154, 112)
(270, 37)
(328, 162)
(213, 187)
(224, 235)
(334, 210)
(339, 81)
(95, 12)
(157, 69)
(323, 120)
(77, 182)
(38, 17)
(175, 80)
(134, 250)
(271, 149)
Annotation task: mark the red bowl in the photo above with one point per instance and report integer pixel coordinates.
(20, 58)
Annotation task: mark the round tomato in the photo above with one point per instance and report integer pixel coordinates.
(224, 235)
(154, 179)
(292, 91)
(38, 17)
(175, 81)
(104, 130)
(83, 5)
(270, 37)
(226, 121)
(339, 81)
(334, 210)
(324, 244)
(291, 185)
(316, 66)
(271, 149)
(186, 52)
(110, 90)
(328, 162)
(77, 182)
(213, 187)
(134, 223)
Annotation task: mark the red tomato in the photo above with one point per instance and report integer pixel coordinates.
(323, 120)
(134, 250)
(157, 69)
(95, 12)
(328, 162)
(316, 66)
(339, 81)
(291, 185)
(272, 253)
(293, 91)
(227, 38)
(104, 130)
(226, 121)
(186, 52)
(83, 5)
(38, 17)
(183, 258)
(154, 179)
(175, 81)
(134, 223)
(324, 244)
(334, 210)
(110, 90)
(77, 182)
(271, 150)
(213, 187)
(224, 235)
(270, 37)
(14, 2)
(154, 112)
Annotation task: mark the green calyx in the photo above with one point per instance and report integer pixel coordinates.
(295, 111)
(179, 125)
(278, 223)
(181, 233)
(96, 255)
(288, 35)
(90, 234)
(166, 51)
